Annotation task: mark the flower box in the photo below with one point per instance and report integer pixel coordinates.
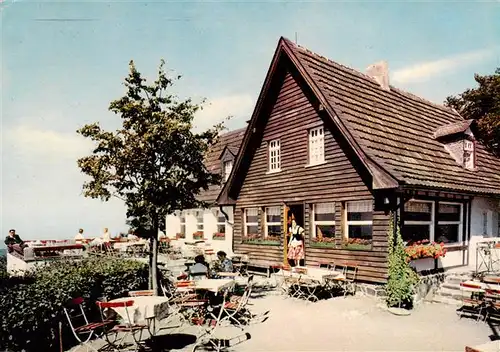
(258, 239)
(322, 242)
(357, 244)
(198, 235)
(219, 236)
(425, 249)
(180, 235)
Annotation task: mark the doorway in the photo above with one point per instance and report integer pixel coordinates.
(293, 211)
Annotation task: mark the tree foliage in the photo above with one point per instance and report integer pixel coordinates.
(402, 278)
(483, 105)
(154, 162)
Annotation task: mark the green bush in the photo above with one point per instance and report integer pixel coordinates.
(402, 278)
(31, 306)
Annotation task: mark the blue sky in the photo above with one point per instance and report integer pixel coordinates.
(64, 61)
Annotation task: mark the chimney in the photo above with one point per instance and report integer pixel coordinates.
(380, 72)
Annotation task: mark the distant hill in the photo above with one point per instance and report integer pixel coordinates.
(3, 252)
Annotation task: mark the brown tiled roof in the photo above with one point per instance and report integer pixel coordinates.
(452, 128)
(230, 139)
(396, 129)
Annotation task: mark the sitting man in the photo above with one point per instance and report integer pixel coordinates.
(14, 243)
(199, 270)
(223, 264)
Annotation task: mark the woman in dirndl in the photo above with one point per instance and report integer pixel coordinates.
(296, 244)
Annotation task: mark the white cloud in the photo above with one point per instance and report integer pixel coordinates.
(424, 71)
(217, 109)
(47, 143)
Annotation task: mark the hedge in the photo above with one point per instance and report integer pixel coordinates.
(31, 306)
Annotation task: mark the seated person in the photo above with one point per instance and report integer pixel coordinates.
(200, 269)
(223, 263)
(79, 237)
(14, 243)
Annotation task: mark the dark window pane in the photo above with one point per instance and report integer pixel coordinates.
(221, 228)
(252, 230)
(418, 211)
(354, 216)
(413, 233)
(221, 218)
(449, 212)
(325, 231)
(324, 217)
(360, 231)
(447, 233)
(274, 230)
(273, 218)
(251, 218)
(183, 229)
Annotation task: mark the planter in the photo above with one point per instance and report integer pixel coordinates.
(263, 242)
(422, 264)
(318, 244)
(180, 236)
(198, 235)
(399, 311)
(219, 236)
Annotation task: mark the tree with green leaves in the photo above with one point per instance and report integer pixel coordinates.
(483, 105)
(154, 163)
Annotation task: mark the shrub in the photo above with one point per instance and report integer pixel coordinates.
(31, 306)
(402, 278)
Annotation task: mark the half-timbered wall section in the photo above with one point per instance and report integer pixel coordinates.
(336, 180)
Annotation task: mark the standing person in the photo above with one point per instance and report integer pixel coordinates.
(79, 237)
(296, 244)
(14, 243)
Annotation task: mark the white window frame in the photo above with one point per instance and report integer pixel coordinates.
(217, 214)
(267, 224)
(200, 225)
(246, 224)
(470, 148)
(227, 169)
(274, 155)
(356, 222)
(316, 146)
(460, 223)
(430, 223)
(314, 222)
(182, 223)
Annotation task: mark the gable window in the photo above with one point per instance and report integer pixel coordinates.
(316, 146)
(274, 156)
(273, 222)
(418, 221)
(358, 225)
(469, 154)
(251, 222)
(449, 228)
(228, 167)
(323, 224)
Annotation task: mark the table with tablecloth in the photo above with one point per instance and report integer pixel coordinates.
(145, 310)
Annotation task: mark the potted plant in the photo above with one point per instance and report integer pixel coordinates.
(271, 239)
(402, 280)
(425, 249)
(180, 236)
(357, 244)
(321, 241)
(198, 235)
(219, 236)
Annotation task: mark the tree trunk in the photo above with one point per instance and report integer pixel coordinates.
(153, 258)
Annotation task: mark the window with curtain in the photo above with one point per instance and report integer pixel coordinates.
(274, 156)
(316, 146)
(251, 221)
(273, 221)
(324, 220)
(449, 228)
(418, 221)
(221, 222)
(199, 221)
(359, 224)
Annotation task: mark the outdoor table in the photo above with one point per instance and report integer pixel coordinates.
(227, 274)
(492, 279)
(484, 286)
(213, 285)
(316, 274)
(146, 309)
(188, 264)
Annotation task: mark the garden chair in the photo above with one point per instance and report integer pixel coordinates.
(82, 328)
(472, 303)
(347, 281)
(118, 334)
(492, 296)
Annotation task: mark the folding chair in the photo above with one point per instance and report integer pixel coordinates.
(127, 328)
(347, 281)
(82, 329)
(492, 297)
(471, 303)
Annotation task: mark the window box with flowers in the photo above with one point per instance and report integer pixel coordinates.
(359, 244)
(180, 235)
(198, 235)
(323, 242)
(422, 254)
(270, 240)
(219, 236)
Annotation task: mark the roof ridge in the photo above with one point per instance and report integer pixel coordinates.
(364, 75)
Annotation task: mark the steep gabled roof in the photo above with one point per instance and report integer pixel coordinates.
(390, 131)
(232, 141)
